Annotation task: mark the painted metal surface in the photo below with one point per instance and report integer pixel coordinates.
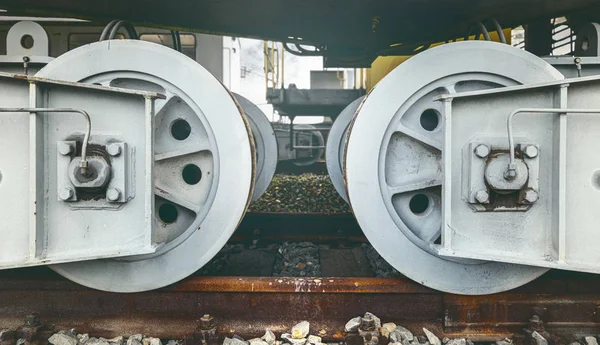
(265, 142)
(559, 229)
(38, 227)
(336, 144)
(197, 125)
(27, 48)
(393, 167)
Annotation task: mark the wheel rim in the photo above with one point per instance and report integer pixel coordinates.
(375, 154)
(336, 141)
(217, 141)
(265, 143)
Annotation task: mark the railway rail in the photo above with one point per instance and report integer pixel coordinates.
(565, 305)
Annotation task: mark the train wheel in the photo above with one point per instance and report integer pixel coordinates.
(336, 142)
(204, 161)
(393, 167)
(265, 143)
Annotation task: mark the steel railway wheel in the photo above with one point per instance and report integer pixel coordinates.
(393, 167)
(265, 143)
(336, 141)
(204, 161)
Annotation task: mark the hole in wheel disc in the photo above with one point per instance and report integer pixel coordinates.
(27, 41)
(180, 129)
(419, 204)
(167, 213)
(191, 174)
(430, 120)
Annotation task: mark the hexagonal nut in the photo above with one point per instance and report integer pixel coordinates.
(530, 151)
(482, 151)
(65, 194)
(100, 173)
(65, 148)
(482, 196)
(32, 320)
(113, 194)
(207, 322)
(530, 196)
(113, 149)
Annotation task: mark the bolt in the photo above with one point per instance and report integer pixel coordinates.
(32, 320)
(113, 194)
(65, 148)
(207, 322)
(65, 194)
(367, 324)
(482, 196)
(530, 151)
(114, 150)
(482, 151)
(530, 196)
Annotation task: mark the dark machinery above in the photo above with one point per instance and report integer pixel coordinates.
(348, 33)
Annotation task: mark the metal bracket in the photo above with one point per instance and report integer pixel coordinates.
(36, 225)
(560, 229)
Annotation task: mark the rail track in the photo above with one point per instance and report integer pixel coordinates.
(563, 305)
(567, 306)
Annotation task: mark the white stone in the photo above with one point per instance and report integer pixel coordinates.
(286, 337)
(82, 338)
(459, 341)
(300, 330)
(387, 328)
(269, 337)
(96, 341)
(63, 339)
(116, 340)
(313, 339)
(539, 339)
(400, 334)
(353, 324)
(433, 340)
(591, 341)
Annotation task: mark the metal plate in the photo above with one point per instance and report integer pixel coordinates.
(560, 228)
(394, 156)
(217, 141)
(38, 227)
(336, 143)
(265, 143)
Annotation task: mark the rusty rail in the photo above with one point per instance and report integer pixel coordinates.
(568, 303)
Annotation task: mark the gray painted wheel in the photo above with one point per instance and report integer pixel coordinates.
(393, 168)
(265, 143)
(199, 124)
(336, 141)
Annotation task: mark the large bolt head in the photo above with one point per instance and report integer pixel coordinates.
(65, 194)
(113, 194)
(530, 151)
(482, 196)
(65, 148)
(530, 196)
(114, 150)
(482, 151)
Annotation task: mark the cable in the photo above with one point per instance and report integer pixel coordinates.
(499, 30)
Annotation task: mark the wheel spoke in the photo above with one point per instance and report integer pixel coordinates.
(182, 151)
(426, 181)
(171, 195)
(419, 137)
